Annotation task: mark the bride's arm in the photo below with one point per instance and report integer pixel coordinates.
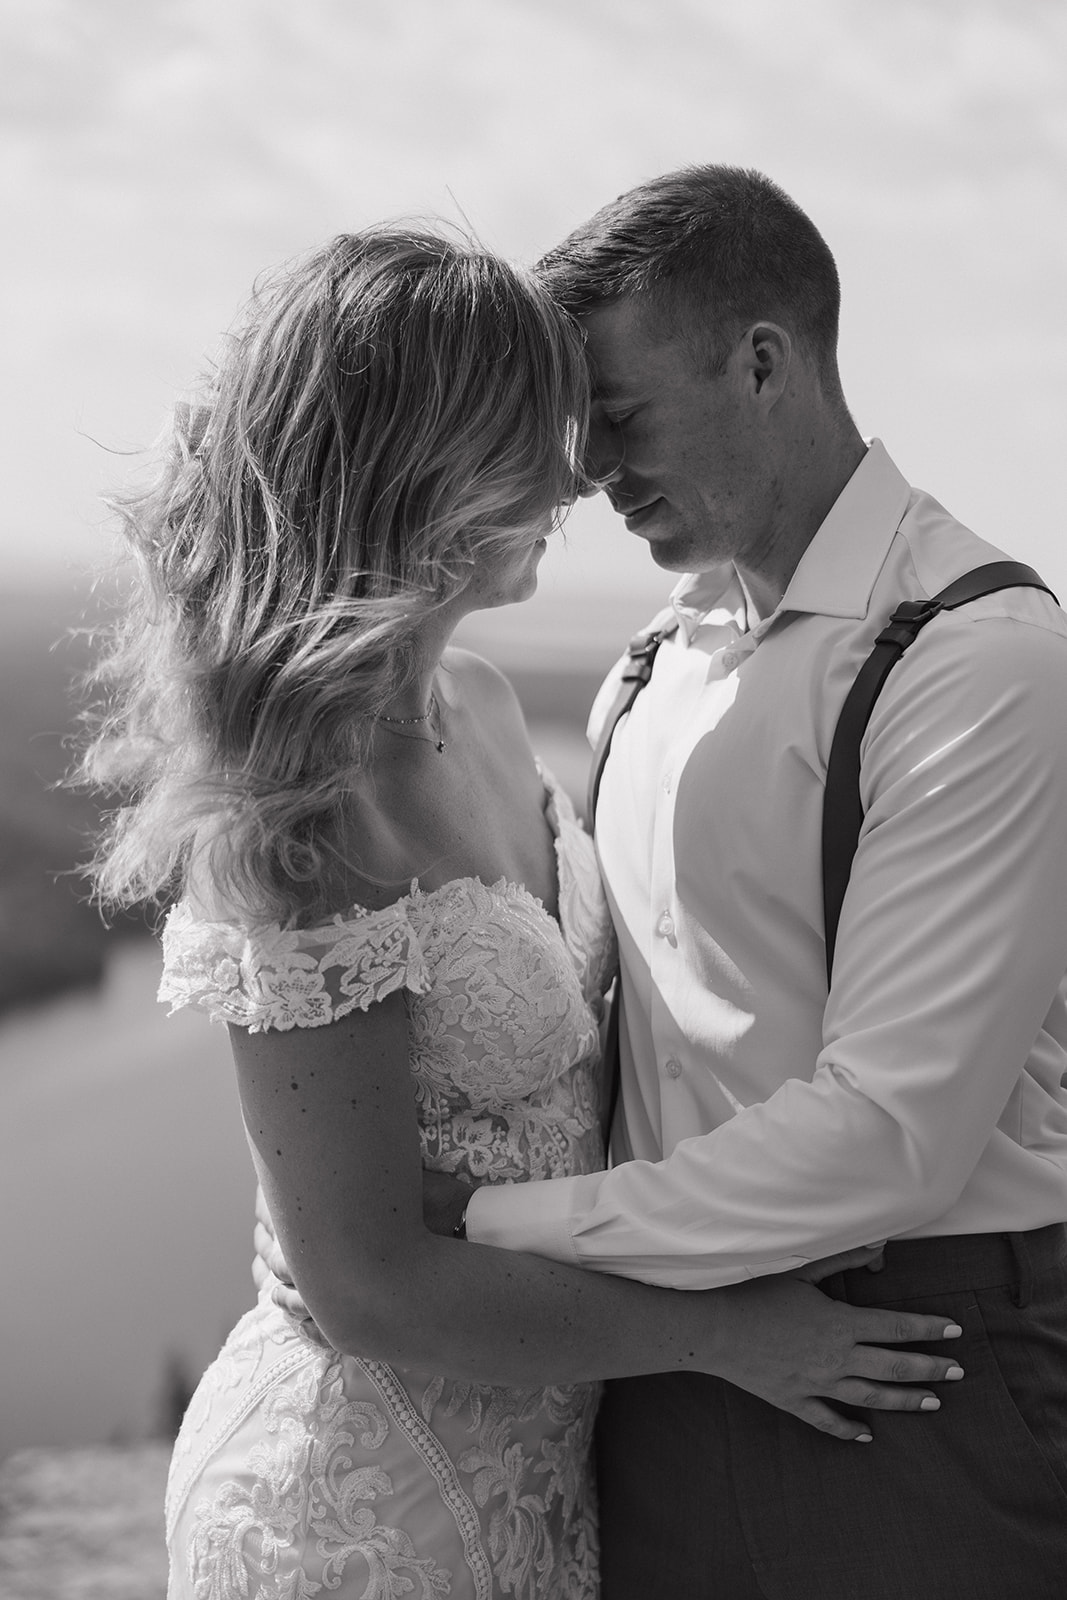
(331, 1117)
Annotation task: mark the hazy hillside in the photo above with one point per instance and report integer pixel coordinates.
(84, 1524)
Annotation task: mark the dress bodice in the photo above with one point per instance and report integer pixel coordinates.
(504, 1002)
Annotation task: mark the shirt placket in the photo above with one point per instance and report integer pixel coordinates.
(663, 949)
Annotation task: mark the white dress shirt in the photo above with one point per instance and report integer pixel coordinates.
(762, 1123)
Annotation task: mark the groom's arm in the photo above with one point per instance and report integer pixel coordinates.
(952, 945)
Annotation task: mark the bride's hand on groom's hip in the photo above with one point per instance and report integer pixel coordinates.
(782, 1339)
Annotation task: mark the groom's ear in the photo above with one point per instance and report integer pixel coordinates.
(765, 354)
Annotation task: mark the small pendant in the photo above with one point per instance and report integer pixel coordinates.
(440, 747)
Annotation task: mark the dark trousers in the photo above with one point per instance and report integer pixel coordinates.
(707, 1493)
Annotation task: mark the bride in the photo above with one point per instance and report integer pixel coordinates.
(398, 916)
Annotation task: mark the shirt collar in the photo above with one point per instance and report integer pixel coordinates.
(716, 596)
(838, 570)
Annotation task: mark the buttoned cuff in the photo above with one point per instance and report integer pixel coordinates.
(526, 1216)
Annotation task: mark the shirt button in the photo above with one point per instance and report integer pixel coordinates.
(665, 925)
(730, 659)
(668, 779)
(674, 1067)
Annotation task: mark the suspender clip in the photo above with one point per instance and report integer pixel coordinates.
(904, 625)
(642, 653)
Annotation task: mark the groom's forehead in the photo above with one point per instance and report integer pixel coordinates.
(624, 353)
(614, 341)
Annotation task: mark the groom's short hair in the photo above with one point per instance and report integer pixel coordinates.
(708, 251)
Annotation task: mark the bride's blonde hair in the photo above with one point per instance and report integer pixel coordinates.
(394, 408)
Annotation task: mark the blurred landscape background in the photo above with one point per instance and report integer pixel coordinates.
(154, 159)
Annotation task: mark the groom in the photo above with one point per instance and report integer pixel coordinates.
(762, 1122)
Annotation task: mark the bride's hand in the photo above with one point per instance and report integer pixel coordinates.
(785, 1341)
(269, 1266)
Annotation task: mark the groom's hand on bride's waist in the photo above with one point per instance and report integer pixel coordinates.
(444, 1200)
(269, 1268)
(444, 1204)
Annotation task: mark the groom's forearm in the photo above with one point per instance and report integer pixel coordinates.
(693, 1221)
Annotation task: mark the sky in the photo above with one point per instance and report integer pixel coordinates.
(154, 158)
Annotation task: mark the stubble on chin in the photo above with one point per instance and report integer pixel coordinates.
(676, 550)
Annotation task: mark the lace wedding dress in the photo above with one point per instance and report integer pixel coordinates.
(301, 1472)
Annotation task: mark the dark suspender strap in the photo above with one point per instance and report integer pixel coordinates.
(641, 653)
(842, 809)
(612, 1066)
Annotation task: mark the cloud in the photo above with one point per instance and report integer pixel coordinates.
(157, 157)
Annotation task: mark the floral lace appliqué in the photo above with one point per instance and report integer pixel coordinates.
(301, 1507)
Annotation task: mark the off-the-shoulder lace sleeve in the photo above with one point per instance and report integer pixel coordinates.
(273, 977)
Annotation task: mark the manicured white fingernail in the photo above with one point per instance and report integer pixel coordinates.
(930, 1403)
(954, 1372)
(865, 1438)
(953, 1331)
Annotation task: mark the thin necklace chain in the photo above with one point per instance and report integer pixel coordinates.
(409, 722)
(403, 722)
